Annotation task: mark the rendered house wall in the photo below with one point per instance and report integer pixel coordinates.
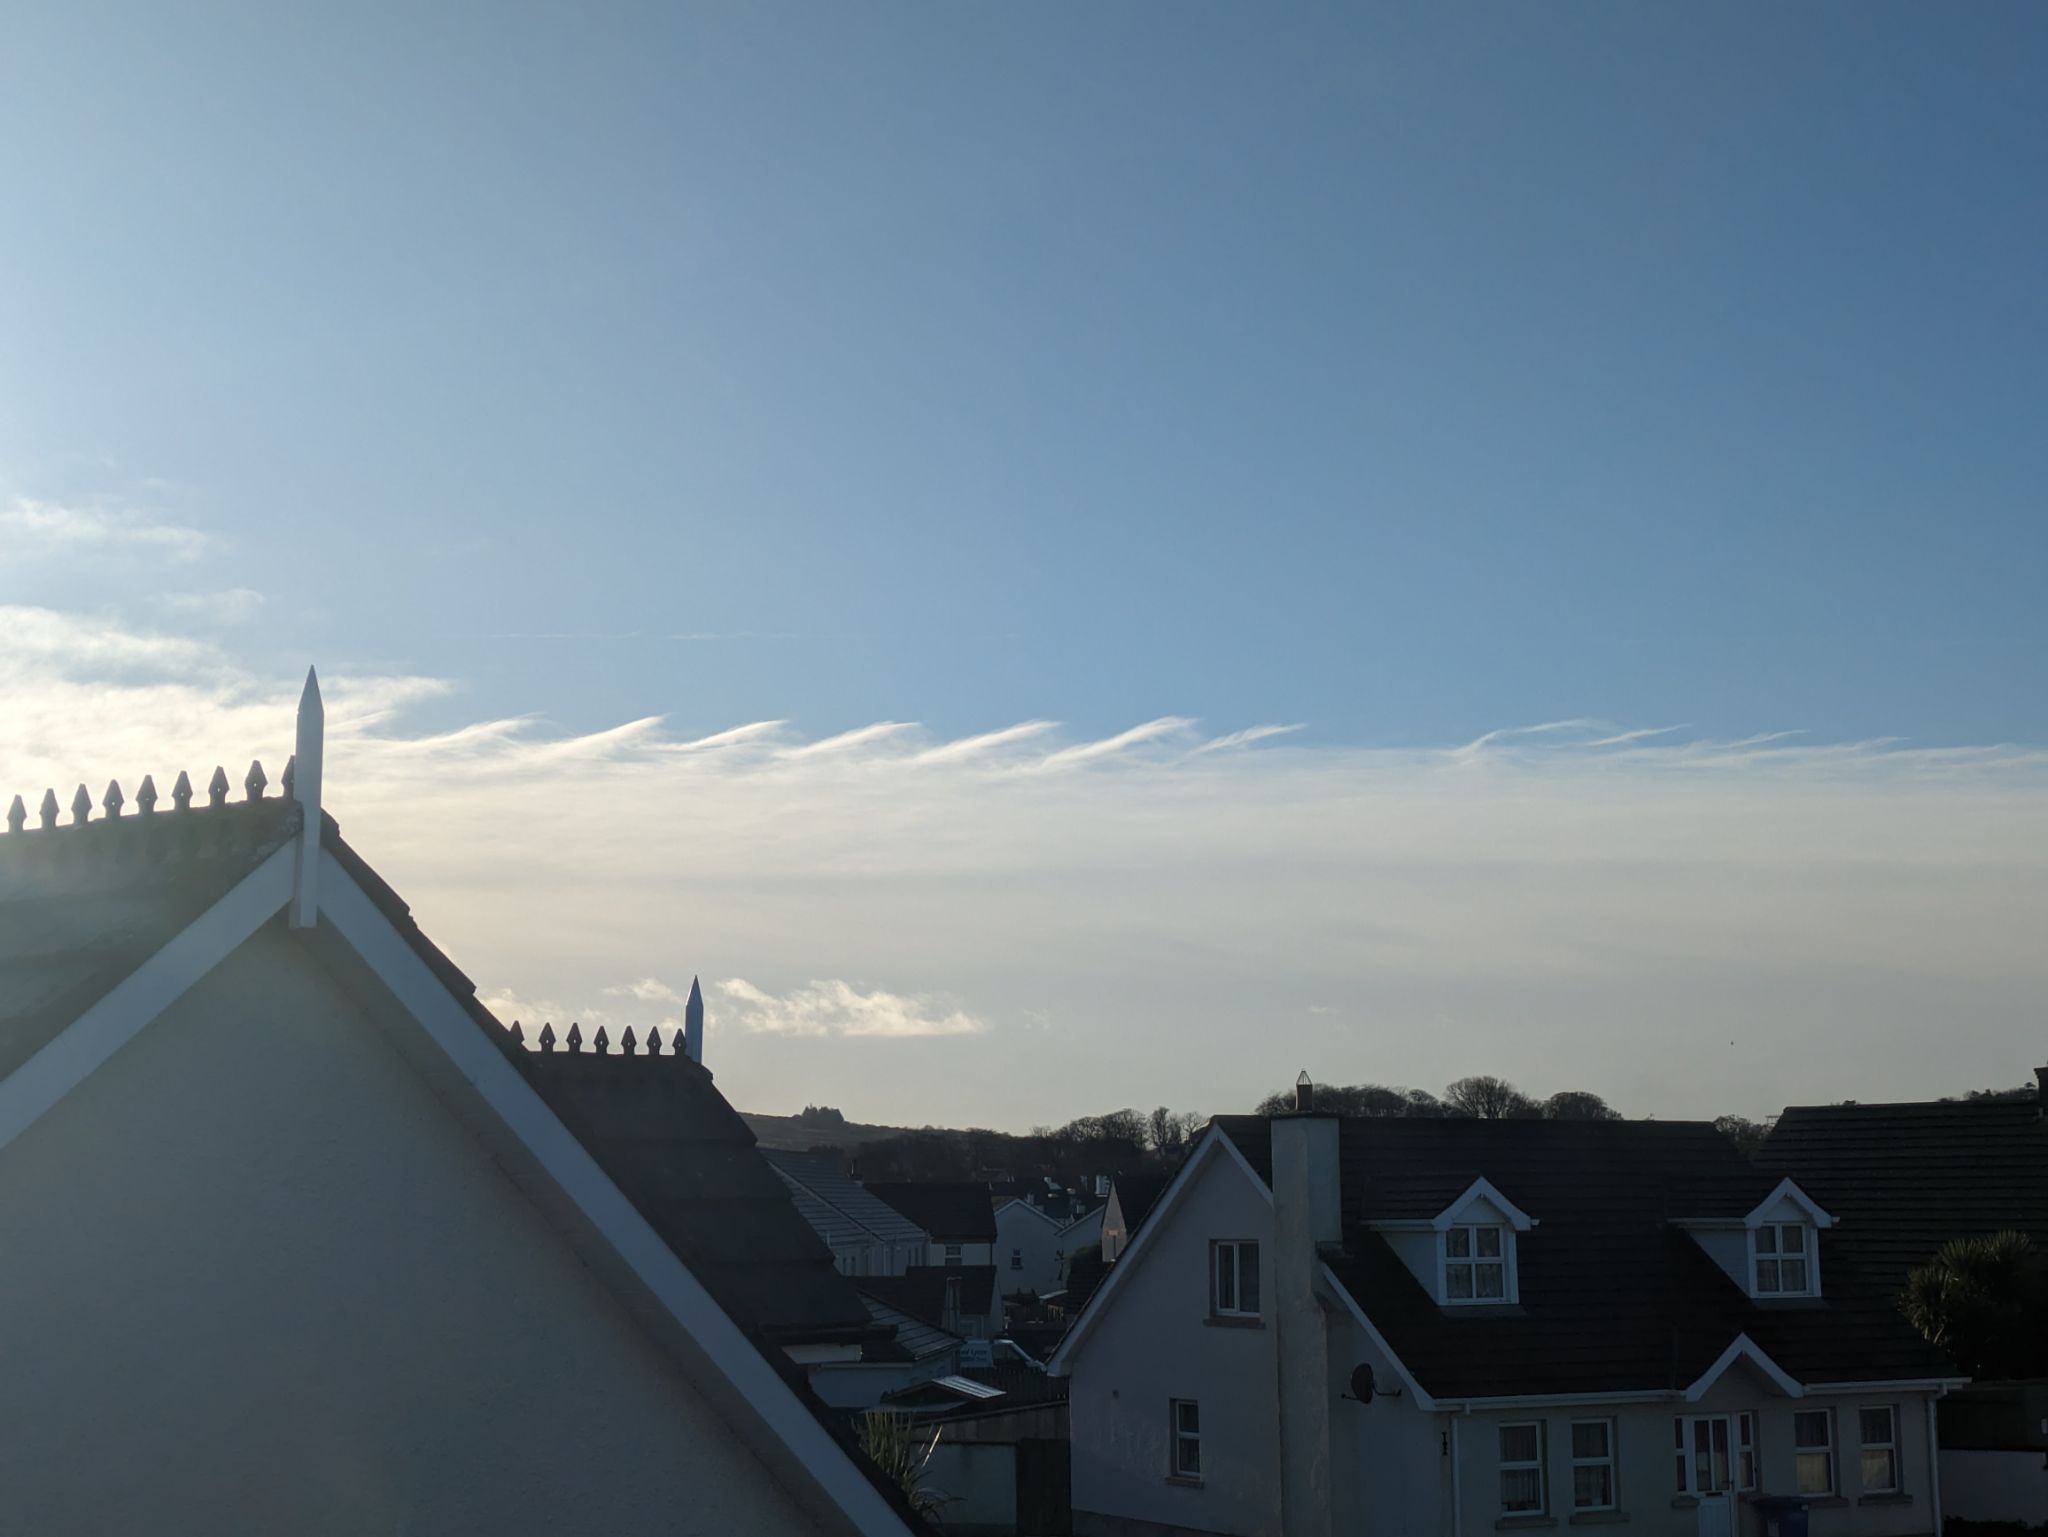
(1158, 1345)
(260, 1279)
(1645, 1454)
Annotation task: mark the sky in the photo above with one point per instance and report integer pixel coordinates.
(1069, 556)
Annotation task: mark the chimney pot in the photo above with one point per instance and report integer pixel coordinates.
(2041, 1087)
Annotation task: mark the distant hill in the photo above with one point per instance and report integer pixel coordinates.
(795, 1135)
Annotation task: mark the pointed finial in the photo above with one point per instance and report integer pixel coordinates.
(81, 807)
(626, 1042)
(181, 792)
(602, 1044)
(575, 1036)
(302, 784)
(547, 1037)
(17, 814)
(518, 1035)
(289, 777)
(692, 1043)
(217, 788)
(145, 796)
(254, 781)
(48, 810)
(113, 800)
(654, 1041)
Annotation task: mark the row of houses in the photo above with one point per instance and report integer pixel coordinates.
(1420, 1327)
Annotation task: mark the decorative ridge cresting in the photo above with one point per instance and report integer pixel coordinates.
(113, 803)
(670, 1048)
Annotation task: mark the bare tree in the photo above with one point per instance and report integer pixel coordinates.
(1167, 1132)
(1487, 1098)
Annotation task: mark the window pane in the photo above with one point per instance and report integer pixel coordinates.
(1492, 1280)
(1188, 1416)
(1248, 1277)
(1458, 1242)
(1810, 1428)
(1589, 1438)
(1458, 1280)
(1489, 1242)
(1879, 1472)
(1226, 1277)
(1521, 1489)
(1767, 1240)
(1593, 1487)
(1792, 1272)
(1766, 1275)
(1813, 1473)
(1518, 1443)
(1795, 1240)
(1188, 1457)
(1877, 1427)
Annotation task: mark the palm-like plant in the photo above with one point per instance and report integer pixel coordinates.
(1981, 1301)
(903, 1452)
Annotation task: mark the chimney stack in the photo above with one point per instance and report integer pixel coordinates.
(2041, 1089)
(1306, 1216)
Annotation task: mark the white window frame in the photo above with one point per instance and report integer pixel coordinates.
(1016, 1259)
(1181, 1442)
(1607, 1461)
(1472, 1260)
(1537, 1466)
(1231, 1260)
(1777, 1255)
(1801, 1449)
(952, 1253)
(1742, 1459)
(1889, 1446)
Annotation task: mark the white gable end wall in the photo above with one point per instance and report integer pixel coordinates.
(260, 1279)
(1153, 1344)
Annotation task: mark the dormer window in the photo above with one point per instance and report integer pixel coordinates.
(1475, 1264)
(1784, 1264)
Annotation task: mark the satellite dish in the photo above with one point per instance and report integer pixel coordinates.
(1362, 1385)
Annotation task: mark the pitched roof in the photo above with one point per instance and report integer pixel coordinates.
(1906, 1178)
(1135, 1194)
(855, 1215)
(85, 909)
(659, 1127)
(1613, 1296)
(82, 907)
(952, 1211)
(921, 1291)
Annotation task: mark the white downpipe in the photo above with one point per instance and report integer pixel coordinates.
(1458, 1475)
(1934, 1455)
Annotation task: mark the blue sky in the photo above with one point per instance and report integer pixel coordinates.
(1401, 373)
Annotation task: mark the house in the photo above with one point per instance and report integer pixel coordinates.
(962, 1300)
(1905, 1179)
(293, 1244)
(1030, 1252)
(1425, 1327)
(1081, 1232)
(956, 1215)
(866, 1235)
(1130, 1197)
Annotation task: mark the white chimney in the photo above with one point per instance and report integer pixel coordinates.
(1306, 1215)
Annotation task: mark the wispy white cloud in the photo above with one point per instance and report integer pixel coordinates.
(987, 744)
(29, 527)
(852, 741)
(838, 1008)
(1245, 738)
(1600, 907)
(648, 990)
(1122, 742)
